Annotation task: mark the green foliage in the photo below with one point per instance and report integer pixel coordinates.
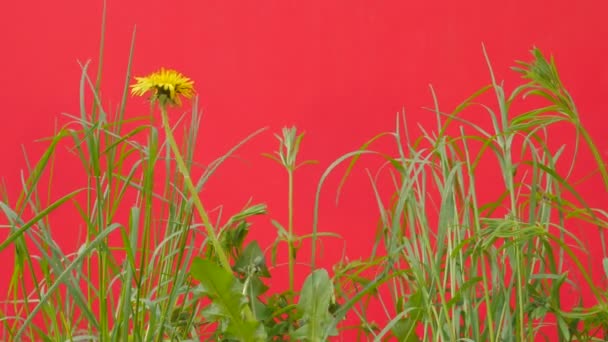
(315, 299)
(449, 262)
(463, 265)
(227, 302)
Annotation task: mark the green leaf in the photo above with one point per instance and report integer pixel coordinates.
(257, 287)
(281, 231)
(227, 301)
(405, 328)
(315, 298)
(563, 328)
(254, 210)
(42, 214)
(252, 261)
(261, 311)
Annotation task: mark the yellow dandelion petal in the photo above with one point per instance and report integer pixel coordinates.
(166, 85)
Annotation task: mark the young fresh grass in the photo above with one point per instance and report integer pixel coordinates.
(450, 262)
(145, 295)
(151, 265)
(458, 266)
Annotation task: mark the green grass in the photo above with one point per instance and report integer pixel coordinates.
(450, 262)
(460, 266)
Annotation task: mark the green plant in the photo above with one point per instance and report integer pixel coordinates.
(461, 265)
(454, 263)
(142, 272)
(276, 316)
(145, 295)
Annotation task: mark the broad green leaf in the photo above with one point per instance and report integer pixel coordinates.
(228, 303)
(315, 298)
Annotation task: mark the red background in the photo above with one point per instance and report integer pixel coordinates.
(340, 70)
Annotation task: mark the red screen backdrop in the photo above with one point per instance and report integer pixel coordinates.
(339, 70)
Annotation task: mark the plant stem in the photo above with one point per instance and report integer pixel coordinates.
(290, 245)
(181, 165)
(191, 188)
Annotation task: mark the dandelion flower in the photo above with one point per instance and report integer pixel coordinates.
(166, 85)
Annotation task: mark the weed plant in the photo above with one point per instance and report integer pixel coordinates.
(448, 264)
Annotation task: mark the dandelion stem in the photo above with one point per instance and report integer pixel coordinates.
(191, 188)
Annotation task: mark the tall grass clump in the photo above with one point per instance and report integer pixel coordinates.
(454, 261)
